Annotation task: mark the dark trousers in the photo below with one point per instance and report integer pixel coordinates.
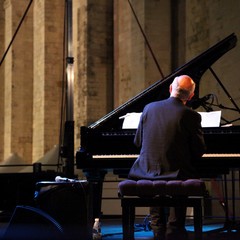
(167, 218)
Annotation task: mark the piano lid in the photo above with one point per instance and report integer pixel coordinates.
(160, 90)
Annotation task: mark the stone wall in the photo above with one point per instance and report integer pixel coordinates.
(134, 66)
(208, 22)
(112, 62)
(33, 72)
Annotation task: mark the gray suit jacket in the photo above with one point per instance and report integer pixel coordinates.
(171, 139)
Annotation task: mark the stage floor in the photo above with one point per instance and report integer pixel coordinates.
(212, 230)
(111, 229)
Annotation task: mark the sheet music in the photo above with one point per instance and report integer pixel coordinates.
(131, 120)
(210, 119)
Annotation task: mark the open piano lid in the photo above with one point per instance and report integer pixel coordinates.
(160, 90)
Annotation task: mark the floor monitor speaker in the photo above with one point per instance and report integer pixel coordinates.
(69, 204)
(32, 223)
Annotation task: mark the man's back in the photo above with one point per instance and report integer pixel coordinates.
(170, 139)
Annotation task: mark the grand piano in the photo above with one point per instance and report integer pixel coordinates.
(106, 146)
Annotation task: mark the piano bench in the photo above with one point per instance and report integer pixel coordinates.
(147, 193)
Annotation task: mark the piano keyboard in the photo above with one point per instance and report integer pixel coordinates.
(115, 156)
(131, 156)
(221, 155)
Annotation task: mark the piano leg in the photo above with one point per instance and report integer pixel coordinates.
(230, 223)
(233, 197)
(95, 179)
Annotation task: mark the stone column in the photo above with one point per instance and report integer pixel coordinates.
(2, 50)
(48, 74)
(93, 48)
(18, 81)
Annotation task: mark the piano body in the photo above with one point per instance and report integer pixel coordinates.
(105, 145)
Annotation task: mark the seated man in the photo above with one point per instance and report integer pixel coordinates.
(171, 139)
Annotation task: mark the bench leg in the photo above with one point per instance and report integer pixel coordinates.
(197, 211)
(128, 217)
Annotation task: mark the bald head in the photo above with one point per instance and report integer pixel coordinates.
(182, 87)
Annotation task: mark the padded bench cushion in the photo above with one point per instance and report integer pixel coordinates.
(152, 188)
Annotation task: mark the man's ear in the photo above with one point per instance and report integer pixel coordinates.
(191, 95)
(170, 88)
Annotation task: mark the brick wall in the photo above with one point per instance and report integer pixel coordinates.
(33, 72)
(134, 66)
(93, 50)
(112, 61)
(208, 22)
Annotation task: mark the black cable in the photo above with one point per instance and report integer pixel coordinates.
(225, 90)
(19, 25)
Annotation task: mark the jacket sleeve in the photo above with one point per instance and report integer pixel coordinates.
(197, 144)
(139, 132)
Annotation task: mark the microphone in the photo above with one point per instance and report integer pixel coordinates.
(61, 179)
(198, 102)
